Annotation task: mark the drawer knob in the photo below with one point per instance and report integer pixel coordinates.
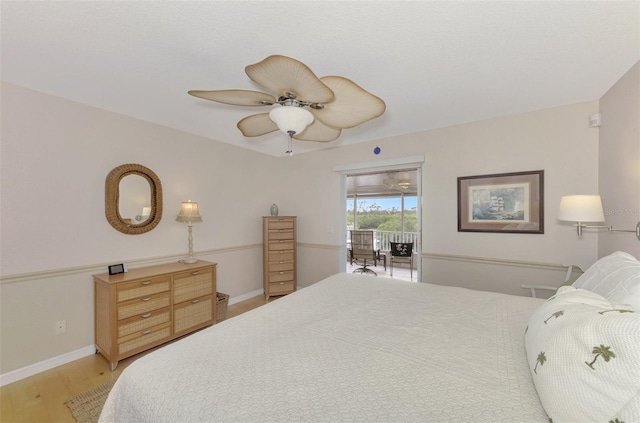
(194, 301)
(144, 316)
(194, 273)
(146, 332)
(281, 261)
(145, 299)
(145, 282)
(282, 273)
(281, 283)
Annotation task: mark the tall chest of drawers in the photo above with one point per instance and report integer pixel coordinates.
(279, 255)
(148, 306)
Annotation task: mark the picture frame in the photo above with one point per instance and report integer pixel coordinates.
(506, 203)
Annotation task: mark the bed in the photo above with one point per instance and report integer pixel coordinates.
(353, 348)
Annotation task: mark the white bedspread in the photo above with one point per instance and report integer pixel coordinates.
(350, 348)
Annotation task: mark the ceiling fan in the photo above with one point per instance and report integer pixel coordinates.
(308, 108)
(379, 184)
(396, 184)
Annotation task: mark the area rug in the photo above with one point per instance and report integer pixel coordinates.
(86, 407)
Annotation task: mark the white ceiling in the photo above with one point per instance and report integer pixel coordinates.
(434, 63)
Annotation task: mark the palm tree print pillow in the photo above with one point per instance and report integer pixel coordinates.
(584, 356)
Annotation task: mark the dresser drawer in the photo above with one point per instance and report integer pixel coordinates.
(142, 288)
(280, 256)
(143, 305)
(144, 337)
(280, 287)
(192, 313)
(281, 245)
(144, 321)
(189, 285)
(281, 276)
(281, 266)
(280, 224)
(281, 234)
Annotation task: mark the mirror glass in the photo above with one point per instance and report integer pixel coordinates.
(133, 200)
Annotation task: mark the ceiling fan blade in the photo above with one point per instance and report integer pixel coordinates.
(236, 97)
(318, 132)
(256, 125)
(286, 76)
(352, 106)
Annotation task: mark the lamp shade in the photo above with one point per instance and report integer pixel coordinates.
(189, 212)
(291, 118)
(581, 208)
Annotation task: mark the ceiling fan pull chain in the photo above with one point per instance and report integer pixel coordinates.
(290, 151)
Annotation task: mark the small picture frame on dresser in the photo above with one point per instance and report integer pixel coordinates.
(115, 269)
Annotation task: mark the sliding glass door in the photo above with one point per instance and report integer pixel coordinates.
(392, 217)
(386, 202)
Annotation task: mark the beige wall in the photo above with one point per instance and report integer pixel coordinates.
(56, 155)
(545, 139)
(619, 163)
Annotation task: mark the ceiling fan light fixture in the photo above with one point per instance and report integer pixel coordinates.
(291, 119)
(404, 184)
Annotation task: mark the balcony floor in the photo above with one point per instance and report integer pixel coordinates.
(400, 271)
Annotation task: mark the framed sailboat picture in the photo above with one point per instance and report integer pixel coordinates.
(506, 202)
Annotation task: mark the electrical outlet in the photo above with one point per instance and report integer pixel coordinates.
(61, 327)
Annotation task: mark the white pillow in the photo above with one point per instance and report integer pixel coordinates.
(615, 277)
(584, 355)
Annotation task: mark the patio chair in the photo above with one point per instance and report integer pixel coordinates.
(401, 252)
(362, 249)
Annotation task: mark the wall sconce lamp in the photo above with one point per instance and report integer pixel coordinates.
(189, 214)
(587, 208)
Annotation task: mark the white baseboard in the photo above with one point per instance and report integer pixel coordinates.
(36, 368)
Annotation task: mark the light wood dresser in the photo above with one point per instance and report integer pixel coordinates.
(148, 306)
(279, 255)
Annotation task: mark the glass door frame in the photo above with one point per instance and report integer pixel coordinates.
(378, 166)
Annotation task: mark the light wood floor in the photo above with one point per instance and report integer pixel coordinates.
(40, 398)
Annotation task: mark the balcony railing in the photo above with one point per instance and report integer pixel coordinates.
(383, 239)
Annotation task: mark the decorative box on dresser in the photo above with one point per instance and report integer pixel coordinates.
(149, 306)
(279, 255)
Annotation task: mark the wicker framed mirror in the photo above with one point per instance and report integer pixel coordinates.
(123, 191)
